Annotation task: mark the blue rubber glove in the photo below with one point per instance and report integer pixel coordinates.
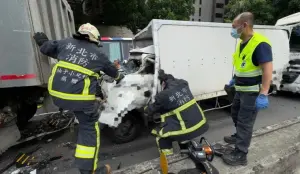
(232, 82)
(262, 102)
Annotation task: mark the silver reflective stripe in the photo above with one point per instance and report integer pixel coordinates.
(248, 74)
(254, 88)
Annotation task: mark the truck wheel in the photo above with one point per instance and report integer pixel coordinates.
(25, 113)
(127, 131)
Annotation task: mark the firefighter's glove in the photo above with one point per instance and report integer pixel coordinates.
(162, 76)
(121, 77)
(262, 102)
(161, 73)
(232, 82)
(40, 38)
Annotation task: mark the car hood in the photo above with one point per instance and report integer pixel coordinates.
(124, 97)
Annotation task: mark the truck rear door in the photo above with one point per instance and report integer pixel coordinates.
(17, 63)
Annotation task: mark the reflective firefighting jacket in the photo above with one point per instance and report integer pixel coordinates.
(73, 80)
(180, 113)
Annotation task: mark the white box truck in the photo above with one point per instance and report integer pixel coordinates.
(199, 52)
(291, 74)
(24, 71)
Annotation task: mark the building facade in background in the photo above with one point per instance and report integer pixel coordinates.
(209, 10)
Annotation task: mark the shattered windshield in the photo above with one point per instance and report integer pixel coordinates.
(131, 66)
(117, 50)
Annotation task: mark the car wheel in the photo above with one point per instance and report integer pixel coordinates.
(127, 131)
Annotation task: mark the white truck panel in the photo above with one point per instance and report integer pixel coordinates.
(19, 54)
(281, 51)
(288, 20)
(201, 53)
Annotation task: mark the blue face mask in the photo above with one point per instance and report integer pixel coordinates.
(235, 34)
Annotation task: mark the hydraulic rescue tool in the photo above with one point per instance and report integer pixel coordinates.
(201, 153)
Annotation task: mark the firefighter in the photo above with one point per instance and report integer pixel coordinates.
(181, 117)
(253, 75)
(72, 85)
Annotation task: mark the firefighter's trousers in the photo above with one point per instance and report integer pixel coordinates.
(164, 144)
(88, 141)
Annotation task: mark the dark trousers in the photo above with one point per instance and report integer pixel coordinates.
(88, 141)
(164, 145)
(244, 112)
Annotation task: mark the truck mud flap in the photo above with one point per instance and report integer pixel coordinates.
(50, 124)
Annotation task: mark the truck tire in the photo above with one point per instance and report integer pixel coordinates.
(127, 131)
(25, 113)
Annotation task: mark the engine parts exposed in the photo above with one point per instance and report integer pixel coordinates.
(50, 124)
(6, 116)
(132, 92)
(291, 77)
(293, 71)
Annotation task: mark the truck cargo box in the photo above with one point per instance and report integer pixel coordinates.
(21, 63)
(201, 52)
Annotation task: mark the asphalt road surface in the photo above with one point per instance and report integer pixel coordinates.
(144, 148)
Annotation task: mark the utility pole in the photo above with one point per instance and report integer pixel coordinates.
(213, 10)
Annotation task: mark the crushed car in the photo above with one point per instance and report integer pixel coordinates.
(123, 107)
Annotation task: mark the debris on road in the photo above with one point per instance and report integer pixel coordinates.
(18, 160)
(24, 170)
(119, 166)
(26, 164)
(50, 124)
(45, 125)
(69, 145)
(6, 116)
(43, 164)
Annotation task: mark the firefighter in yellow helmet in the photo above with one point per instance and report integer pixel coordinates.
(73, 83)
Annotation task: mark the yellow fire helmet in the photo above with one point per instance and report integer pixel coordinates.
(91, 31)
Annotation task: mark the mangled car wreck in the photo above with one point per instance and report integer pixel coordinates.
(124, 102)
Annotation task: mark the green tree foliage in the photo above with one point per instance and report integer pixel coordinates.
(136, 14)
(262, 9)
(266, 12)
(169, 9)
(286, 7)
